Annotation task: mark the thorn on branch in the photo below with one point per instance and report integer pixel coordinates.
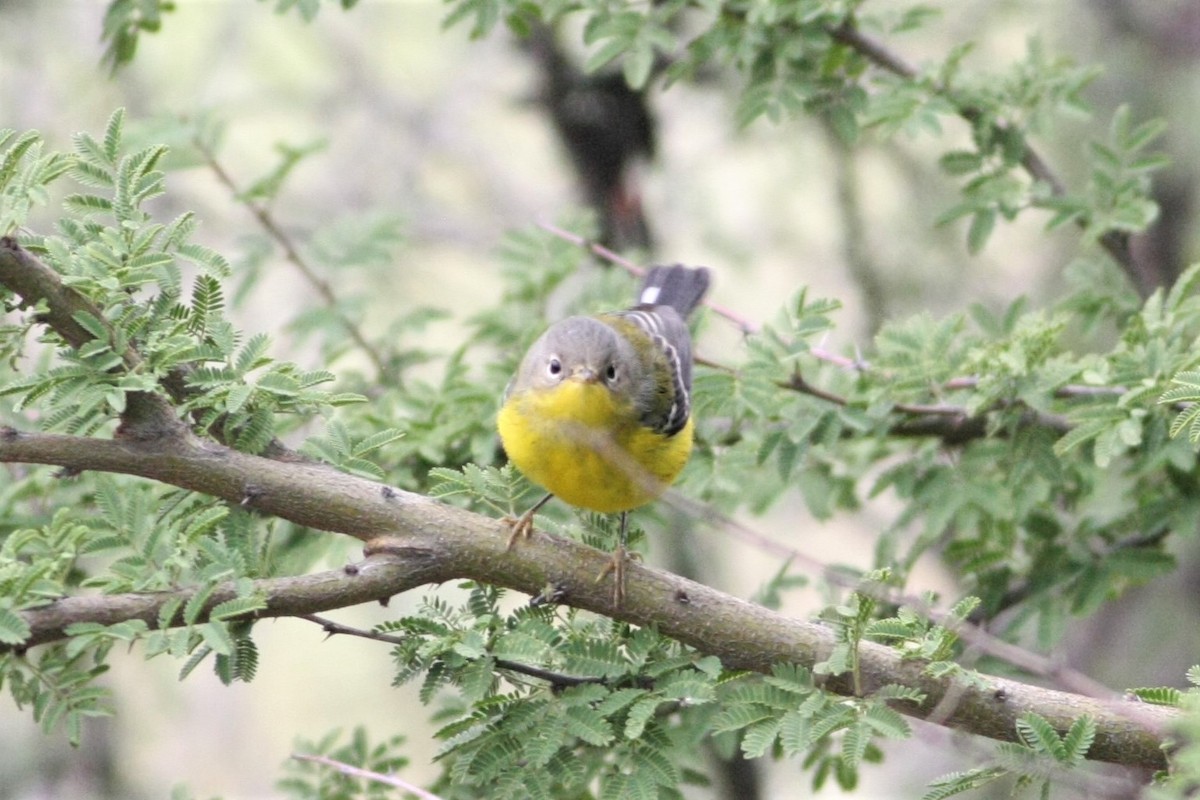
(557, 680)
(553, 594)
(250, 495)
(8, 434)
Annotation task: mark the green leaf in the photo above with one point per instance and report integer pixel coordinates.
(216, 635)
(238, 607)
(1040, 736)
(112, 135)
(760, 737)
(737, 717)
(1193, 675)
(588, 725)
(13, 628)
(960, 162)
(983, 222)
(639, 715)
(606, 53)
(1078, 740)
(196, 603)
(886, 722)
(377, 440)
(205, 521)
(959, 782)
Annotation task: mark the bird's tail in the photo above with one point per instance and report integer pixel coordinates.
(682, 288)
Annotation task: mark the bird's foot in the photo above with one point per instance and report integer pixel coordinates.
(522, 527)
(616, 566)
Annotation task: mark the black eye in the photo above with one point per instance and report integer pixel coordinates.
(610, 373)
(554, 367)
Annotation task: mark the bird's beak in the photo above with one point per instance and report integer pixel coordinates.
(584, 374)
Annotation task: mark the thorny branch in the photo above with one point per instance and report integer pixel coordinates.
(419, 541)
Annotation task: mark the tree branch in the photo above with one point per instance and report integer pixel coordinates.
(1115, 243)
(148, 415)
(417, 540)
(746, 326)
(384, 372)
(555, 679)
(368, 775)
(33, 282)
(954, 425)
(373, 579)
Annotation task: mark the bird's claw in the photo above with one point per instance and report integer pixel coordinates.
(522, 528)
(616, 566)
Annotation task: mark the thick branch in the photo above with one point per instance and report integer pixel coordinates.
(34, 282)
(148, 415)
(426, 541)
(373, 579)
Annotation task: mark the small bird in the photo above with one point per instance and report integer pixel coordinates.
(599, 412)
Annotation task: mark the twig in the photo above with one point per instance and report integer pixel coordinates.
(967, 426)
(746, 326)
(1026, 660)
(555, 678)
(366, 774)
(797, 383)
(954, 424)
(1116, 243)
(334, 628)
(855, 241)
(264, 217)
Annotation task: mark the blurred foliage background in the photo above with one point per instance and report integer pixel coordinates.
(443, 143)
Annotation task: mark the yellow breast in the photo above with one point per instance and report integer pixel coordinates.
(580, 443)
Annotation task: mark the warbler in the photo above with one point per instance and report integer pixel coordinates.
(599, 412)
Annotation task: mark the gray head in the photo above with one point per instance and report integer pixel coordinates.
(580, 348)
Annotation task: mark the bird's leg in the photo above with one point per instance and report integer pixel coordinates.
(522, 526)
(617, 565)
